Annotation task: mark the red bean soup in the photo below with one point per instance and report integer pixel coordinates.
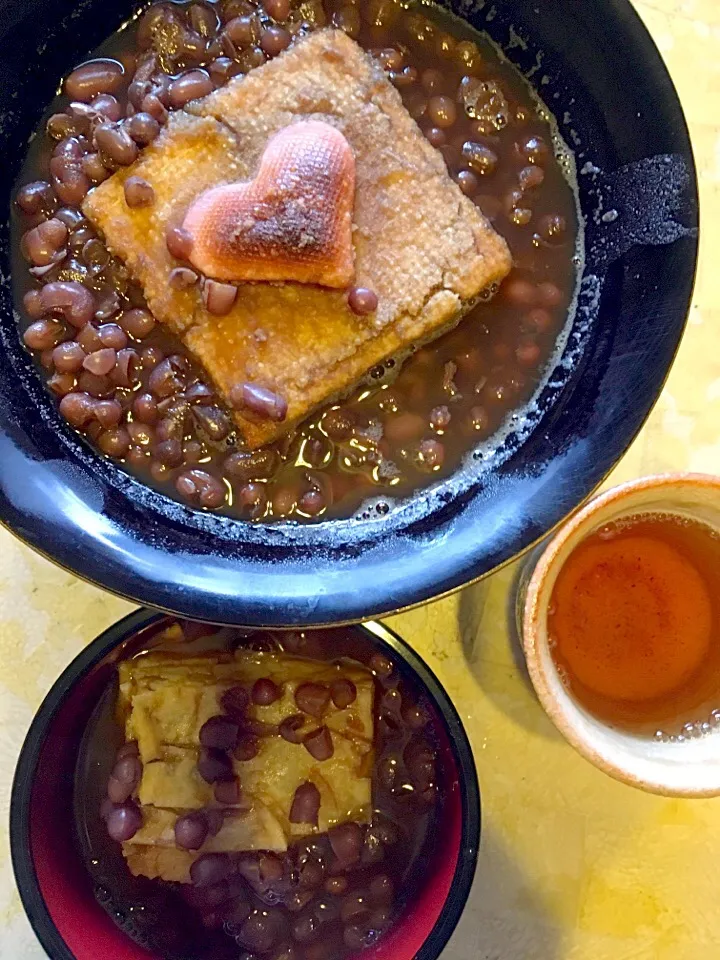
(133, 390)
(208, 746)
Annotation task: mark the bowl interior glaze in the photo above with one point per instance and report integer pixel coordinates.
(605, 81)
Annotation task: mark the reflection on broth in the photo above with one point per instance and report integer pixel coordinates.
(634, 624)
(257, 795)
(131, 384)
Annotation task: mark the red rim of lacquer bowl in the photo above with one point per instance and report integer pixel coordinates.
(57, 891)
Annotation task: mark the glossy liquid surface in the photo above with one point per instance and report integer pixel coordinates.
(634, 624)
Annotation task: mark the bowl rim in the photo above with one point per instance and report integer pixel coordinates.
(324, 592)
(534, 611)
(27, 765)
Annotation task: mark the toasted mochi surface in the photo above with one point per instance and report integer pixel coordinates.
(292, 221)
(165, 700)
(419, 244)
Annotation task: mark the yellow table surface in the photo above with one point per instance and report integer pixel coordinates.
(573, 866)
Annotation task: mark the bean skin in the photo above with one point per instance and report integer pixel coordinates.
(343, 693)
(258, 465)
(274, 40)
(190, 86)
(432, 454)
(72, 299)
(480, 158)
(35, 197)
(213, 765)
(258, 400)
(191, 831)
(248, 747)
(43, 242)
(313, 698)
(93, 168)
(94, 78)
(154, 107)
(112, 335)
(179, 243)
(536, 150)
(235, 701)
(306, 804)
(222, 69)
(143, 128)
(42, 335)
(219, 732)
(114, 442)
(202, 488)
(124, 779)
(227, 792)
(138, 192)
(77, 408)
(68, 357)
(181, 278)
(362, 301)
(145, 408)
(312, 503)
(210, 869)
(219, 298)
(346, 840)
(436, 136)
(116, 143)
(319, 744)
(291, 728)
(167, 378)
(107, 412)
(468, 182)
(123, 822)
(442, 112)
(243, 31)
(530, 178)
(89, 338)
(279, 10)
(107, 107)
(69, 180)
(33, 304)
(265, 692)
(138, 323)
(380, 665)
(101, 361)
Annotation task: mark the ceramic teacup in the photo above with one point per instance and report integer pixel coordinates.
(682, 767)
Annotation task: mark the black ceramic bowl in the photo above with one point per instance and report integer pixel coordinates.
(603, 78)
(56, 888)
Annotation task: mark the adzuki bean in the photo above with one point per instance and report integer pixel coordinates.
(93, 78)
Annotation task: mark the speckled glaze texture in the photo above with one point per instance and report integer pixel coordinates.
(573, 865)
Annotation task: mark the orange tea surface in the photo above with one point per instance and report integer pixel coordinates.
(633, 620)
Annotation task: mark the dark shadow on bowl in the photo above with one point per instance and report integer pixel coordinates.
(636, 161)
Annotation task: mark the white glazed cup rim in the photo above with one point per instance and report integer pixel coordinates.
(541, 667)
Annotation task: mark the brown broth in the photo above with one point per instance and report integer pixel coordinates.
(165, 917)
(385, 441)
(637, 606)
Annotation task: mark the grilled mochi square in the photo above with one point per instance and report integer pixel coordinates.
(164, 701)
(423, 248)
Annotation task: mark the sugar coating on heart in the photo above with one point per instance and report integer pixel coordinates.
(292, 222)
